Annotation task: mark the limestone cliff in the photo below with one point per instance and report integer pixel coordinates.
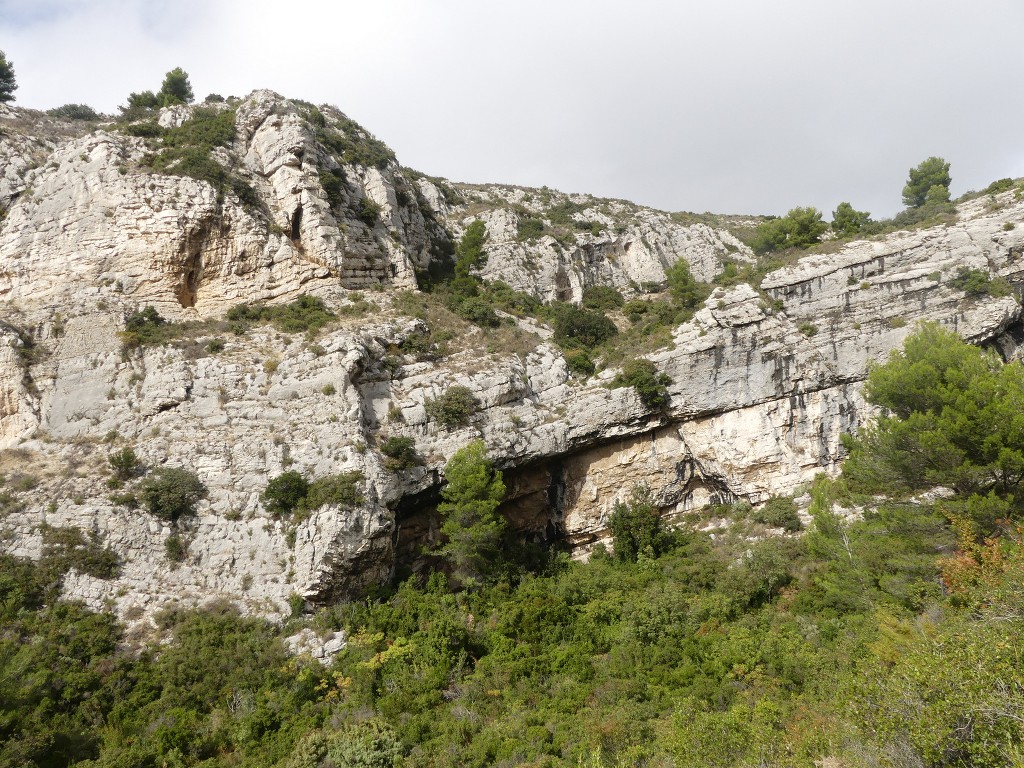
(764, 380)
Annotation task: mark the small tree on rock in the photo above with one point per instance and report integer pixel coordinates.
(800, 228)
(933, 172)
(8, 85)
(636, 526)
(470, 521)
(172, 492)
(847, 221)
(176, 88)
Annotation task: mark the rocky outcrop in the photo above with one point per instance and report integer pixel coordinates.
(579, 241)
(764, 379)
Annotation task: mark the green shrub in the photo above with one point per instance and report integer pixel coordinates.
(469, 253)
(175, 548)
(284, 493)
(349, 142)
(476, 309)
(341, 490)
(800, 228)
(470, 521)
(602, 298)
(367, 211)
(125, 464)
(333, 183)
(977, 283)
(779, 512)
(529, 228)
(687, 292)
(636, 527)
(187, 151)
(73, 112)
(172, 492)
(68, 548)
(651, 386)
(146, 327)
(307, 314)
(453, 408)
(575, 327)
(580, 362)
(807, 328)
(400, 452)
(147, 129)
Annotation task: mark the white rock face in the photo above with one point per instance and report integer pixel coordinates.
(604, 242)
(762, 383)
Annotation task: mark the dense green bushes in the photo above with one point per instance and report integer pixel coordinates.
(290, 492)
(307, 314)
(172, 492)
(452, 408)
(650, 384)
(400, 451)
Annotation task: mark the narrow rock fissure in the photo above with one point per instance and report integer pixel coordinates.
(297, 225)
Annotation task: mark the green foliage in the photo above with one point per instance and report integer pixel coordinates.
(953, 419)
(779, 512)
(187, 149)
(366, 744)
(469, 252)
(290, 493)
(800, 228)
(928, 181)
(636, 527)
(65, 549)
(650, 384)
(125, 463)
(8, 83)
(472, 528)
(74, 112)
(175, 548)
(175, 89)
(576, 327)
(348, 141)
(602, 298)
(846, 221)
(172, 492)
(342, 490)
(580, 362)
(368, 211)
(685, 290)
(307, 314)
(400, 452)
(144, 328)
(285, 493)
(453, 408)
(139, 102)
(977, 283)
(529, 228)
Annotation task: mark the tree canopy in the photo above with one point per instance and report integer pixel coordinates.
(471, 524)
(799, 228)
(954, 416)
(928, 183)
(848, 221)
(176, 88)
(8, 85)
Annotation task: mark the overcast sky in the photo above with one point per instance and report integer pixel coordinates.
(731, 106)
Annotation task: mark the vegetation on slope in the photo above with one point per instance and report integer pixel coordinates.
(892, 637)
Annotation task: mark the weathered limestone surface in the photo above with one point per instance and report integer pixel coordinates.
(608, 242)
(763, 382)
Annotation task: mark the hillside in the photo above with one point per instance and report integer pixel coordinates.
(213, 214)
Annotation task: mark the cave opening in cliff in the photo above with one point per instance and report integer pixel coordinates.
(297, 224)
(192, 263)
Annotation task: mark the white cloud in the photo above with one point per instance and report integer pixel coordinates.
(733, 106)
